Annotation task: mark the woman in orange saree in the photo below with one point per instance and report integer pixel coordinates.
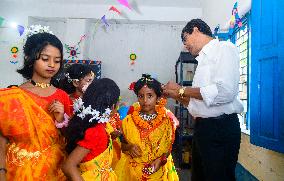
(35, 149)
(31, 147)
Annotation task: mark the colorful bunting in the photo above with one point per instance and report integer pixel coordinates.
(82, 38)
(235, 19)
(134, 6)
(21, 29)
(104, 20)
(112, 8)
(124, 3)
(1, 21)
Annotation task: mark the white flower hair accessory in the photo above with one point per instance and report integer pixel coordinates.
(83, 111)
(69, 78)
(35, 29)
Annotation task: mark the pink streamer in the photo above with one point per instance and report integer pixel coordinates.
(124, 3)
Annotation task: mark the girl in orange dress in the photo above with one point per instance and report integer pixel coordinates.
(89, 142)
(31, 146)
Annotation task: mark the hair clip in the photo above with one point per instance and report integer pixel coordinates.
(69, 78)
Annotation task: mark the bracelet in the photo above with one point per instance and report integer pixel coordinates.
(3, 169)
(64, 123)
(163, 159)
(181, 92)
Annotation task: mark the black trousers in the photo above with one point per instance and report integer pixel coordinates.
(215, 148)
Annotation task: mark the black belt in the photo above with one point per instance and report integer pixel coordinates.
(223, 116)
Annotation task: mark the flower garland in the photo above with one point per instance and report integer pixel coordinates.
(148, 125)
(82, 111)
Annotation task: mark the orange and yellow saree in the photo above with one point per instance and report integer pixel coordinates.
(154, 138)
(36, 149)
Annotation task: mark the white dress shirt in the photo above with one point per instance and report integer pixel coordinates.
(217, 75)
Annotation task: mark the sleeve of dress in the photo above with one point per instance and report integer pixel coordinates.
(95, 139)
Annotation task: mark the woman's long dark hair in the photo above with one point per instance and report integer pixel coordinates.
(75, 71)
(101, 94)
(32, 49)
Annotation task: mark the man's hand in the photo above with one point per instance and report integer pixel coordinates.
(171, 90)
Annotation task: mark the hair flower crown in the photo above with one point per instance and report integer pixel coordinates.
(35, 29)
(96, 115)
(146, 77)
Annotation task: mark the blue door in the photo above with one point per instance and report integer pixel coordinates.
(266, 102)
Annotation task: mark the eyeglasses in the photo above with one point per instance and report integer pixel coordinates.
(183, 39)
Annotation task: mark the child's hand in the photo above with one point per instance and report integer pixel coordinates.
(134, 151)
(156, 164)
(152, 168)
(115, 134)
(57, 109)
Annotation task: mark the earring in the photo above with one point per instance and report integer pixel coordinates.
(158, 101)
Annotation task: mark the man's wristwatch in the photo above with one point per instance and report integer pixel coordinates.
(181, 92)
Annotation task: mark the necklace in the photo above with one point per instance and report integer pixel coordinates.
(147, 117)
(41, 85)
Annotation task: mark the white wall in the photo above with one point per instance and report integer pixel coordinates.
(8, 39)
(157, 47)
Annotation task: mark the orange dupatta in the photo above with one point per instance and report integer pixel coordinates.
(36, 149)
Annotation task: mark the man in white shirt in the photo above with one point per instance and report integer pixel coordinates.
(212, 101)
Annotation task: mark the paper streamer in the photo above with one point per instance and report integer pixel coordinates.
(112, 8)
(21, 29)
(104, 20)
(124, 3)
(1, 21)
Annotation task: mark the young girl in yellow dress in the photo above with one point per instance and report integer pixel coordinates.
(31, 146)
(148, 135)
(89, 143)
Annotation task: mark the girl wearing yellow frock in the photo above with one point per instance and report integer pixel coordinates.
(89, 142)
(148, 135)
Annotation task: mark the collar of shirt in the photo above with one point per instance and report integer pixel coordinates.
(207, 48)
